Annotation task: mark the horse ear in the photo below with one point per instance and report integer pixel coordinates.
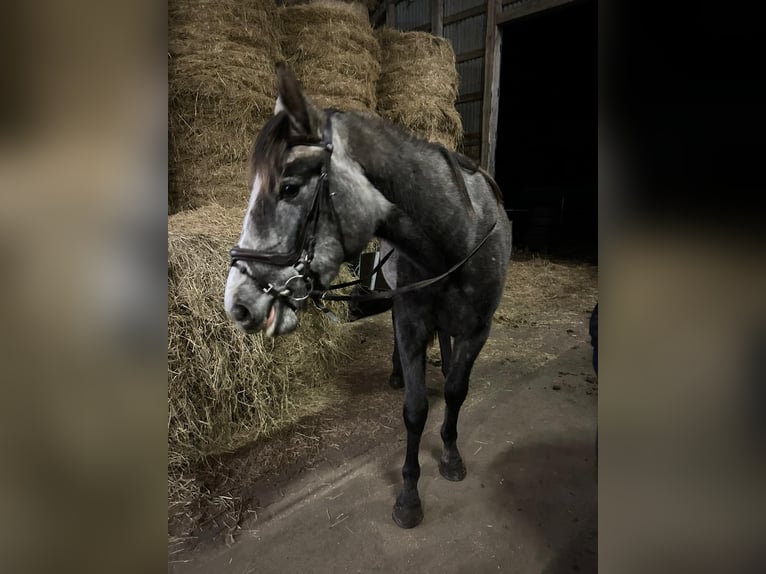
(303, 116)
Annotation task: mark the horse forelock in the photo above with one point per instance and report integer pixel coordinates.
(269, 153)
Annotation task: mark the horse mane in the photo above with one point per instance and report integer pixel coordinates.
(470, 165)
(457, 161)
(274, 139)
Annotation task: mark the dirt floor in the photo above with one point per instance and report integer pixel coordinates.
(318, 496)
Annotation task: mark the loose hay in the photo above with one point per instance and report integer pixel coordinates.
(541, 298)
(418, 85)
(544, 293)
(226, 388)
(222, 90)
(333, 52)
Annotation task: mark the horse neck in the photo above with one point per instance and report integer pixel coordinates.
(422, 225)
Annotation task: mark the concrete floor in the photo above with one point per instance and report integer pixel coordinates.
(528, 504)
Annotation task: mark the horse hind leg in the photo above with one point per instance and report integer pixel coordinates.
(445, 346)
(396, 380)
(451, 465)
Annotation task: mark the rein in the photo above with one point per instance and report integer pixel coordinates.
(302, 255)
(390, 294)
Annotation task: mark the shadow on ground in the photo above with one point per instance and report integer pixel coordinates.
(552, 487)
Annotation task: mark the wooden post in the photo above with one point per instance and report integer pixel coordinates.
(526, 8)
(489, 111)
(437, 13)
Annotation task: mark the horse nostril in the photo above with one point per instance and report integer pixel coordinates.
(240, 313)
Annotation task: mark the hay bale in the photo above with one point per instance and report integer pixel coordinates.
(332, 50)
(363, 7)
(222, 90)
(191, 22)
(357, 8)
(226, 388)
(418, 85)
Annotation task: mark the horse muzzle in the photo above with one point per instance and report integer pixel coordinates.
(271, 308)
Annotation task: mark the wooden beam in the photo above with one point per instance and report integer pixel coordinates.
(472, 97)
(526, 8)
(472, 55)
(437, 15)
(492, 43)
(458, 16)
(422, 28)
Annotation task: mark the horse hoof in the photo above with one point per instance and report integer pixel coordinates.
(396, 382)
(454, 471)
(407, 516)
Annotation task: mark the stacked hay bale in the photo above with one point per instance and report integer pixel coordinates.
(226, 388)
(331, 48)
(364, 7)
(221, 90)
(418, 85)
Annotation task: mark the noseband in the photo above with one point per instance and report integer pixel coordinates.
(302, 253)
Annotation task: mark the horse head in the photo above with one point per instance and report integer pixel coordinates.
(293, 238)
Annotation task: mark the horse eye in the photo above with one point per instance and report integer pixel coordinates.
(288, 191)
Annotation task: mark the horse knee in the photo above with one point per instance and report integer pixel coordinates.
(415, 415)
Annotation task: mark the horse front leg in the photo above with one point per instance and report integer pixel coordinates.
(451, 465)
(412, 338)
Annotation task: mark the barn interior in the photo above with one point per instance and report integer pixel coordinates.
(248, 417)
(546, 155)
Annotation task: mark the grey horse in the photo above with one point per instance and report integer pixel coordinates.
(324, 183)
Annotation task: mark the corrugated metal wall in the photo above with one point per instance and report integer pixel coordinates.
(466, 35)
(471, 114)
(413, 14)
(471, 75)
(454, 6)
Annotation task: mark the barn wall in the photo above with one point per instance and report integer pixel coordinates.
(465, 24)
(413, 15)
(510, 5)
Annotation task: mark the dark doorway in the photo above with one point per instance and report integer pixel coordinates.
(546, 158)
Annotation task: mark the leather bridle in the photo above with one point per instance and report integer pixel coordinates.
(302, 253)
